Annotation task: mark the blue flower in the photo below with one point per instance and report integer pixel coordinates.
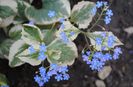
(62, 26)
(107, 20)
(62, 20)
(106, 57)
(98, 40)
(53, 66)
(42, 71)
(109, 13)
(86, 57)
(110, 41)
(59, 77)
(103, 34)
(96, 64)
(117, 52)
(31, 50)
(66, 76)
(94, 10)
(59, 73)
(72, 33)
(64, 37)
(43, 47)
(99, 4)
(51, 14)
(105, 3)
(31, 23)
(51, 73)
(62, 23)
(62, 69)
(38, 79)
(42, 56)
(98, 55)
(115, 56)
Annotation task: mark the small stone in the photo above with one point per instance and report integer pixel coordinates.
(104, 73)
(129, 30)
(100, 83)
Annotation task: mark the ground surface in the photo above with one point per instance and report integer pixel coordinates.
(81, 75)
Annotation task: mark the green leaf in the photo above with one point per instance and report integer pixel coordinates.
(31, 34)
(96, 34)
(8, 20)
(6, 11)
(15, 32)
(61, 53)
(40, 16)
(3, 80)
(82, 13)
(21, 6)
(17, 47)
(68, 28)
(4, 48)
(11, 3)
(29, 58)
(48, 36)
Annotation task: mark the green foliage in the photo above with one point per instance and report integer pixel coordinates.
(4, 48)
(15, 32)
(6, 11)
(25, 35)
(31, 34)
(82, 13)
(40, 16)
(61, 53)
(3, 80)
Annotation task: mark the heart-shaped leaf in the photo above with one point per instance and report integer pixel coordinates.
(61, 9)
(82, 13)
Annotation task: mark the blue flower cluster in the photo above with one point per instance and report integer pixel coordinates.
(4, 86)
(59, 73)
(108, 12)
(108, 16)
(97, 60)
(41, 56)
(117, 52)
(51, 13)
